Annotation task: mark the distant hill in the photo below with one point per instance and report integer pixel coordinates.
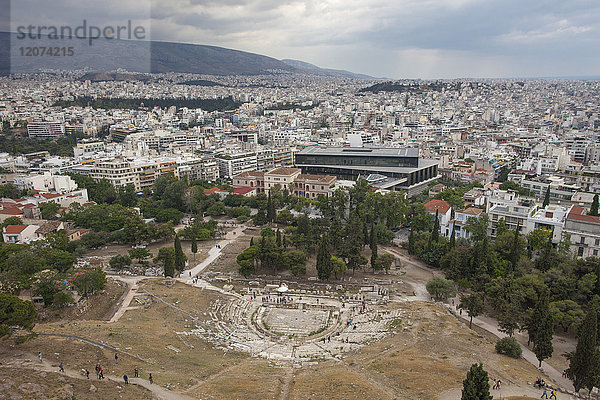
(410, 87)
(149, 56)
(113, 76)
(311, 68)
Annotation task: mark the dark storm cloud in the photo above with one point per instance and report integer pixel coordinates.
(395, 38)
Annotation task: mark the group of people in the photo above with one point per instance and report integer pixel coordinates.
(100, 372)
(540, 383)
(497, 384)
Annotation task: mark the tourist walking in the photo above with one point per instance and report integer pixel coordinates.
(150, 378)
(87, 373)
(126, 379)
(116, 358)
(544, 395)
(553, 395)
(135, 372)
(40, 356)
(61, 368)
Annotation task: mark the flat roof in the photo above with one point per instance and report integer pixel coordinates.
(361, 151)
(399, 170)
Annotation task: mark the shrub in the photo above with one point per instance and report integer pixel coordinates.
(5, 330)
(509, 346)
(62, 299)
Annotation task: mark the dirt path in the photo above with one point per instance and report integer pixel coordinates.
(288, 378)
(213, 254)
(505, 391)
(46, 366)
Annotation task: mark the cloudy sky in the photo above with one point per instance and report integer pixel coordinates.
(387, 38)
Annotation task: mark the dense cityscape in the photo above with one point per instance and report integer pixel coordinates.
(298, 233)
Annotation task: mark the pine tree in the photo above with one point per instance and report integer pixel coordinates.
(547, 198)
(194, 247)
(180, 258)
(476, 386)
(584, 363)
(594, 207)
(543, 328)
(324, 265)
(373, 246)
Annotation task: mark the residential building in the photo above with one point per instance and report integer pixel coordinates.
(584, 232)
(19, 233)
(443, 210)
(45, 129)
(459, 222)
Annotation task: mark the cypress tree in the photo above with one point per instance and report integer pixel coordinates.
(435, 233)
(452, 238)
(180, 258)
(411, 242)
(515, 251)
(373, 246)
(546, 198)
(365, 235)
(252, 241)
(194, 247)
(284, 243)
(584, 363)
(278, 240)
(543, 328)
(270, 209)
(594, 207)
(477, 385)
(324, 265)
(169, 267)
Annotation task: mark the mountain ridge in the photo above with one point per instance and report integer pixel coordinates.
(150, 57)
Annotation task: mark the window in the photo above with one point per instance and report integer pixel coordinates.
(580, 251)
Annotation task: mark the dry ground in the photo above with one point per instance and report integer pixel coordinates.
(25, 383)
(431, 357)
(100, 306)
(428, 355)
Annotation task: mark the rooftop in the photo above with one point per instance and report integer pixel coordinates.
(284, 171)
(578, 213)
(361, 151)
(14, 229)
(437, 205)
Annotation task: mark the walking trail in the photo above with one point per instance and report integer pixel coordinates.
(487, 323)
(158, 391)
(186, 276)
(213, 254)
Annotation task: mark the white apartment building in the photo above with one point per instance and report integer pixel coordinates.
(508, 206)
(234, 164)
(46, 182)
(584, 231)
(552, 218)
(45, 129)
(459, 223)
